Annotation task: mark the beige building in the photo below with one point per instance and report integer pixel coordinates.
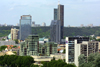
(98, 37)
(39, 59)
(86, 48)
(14, 33)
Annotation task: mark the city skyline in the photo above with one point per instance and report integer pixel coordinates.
(77, 12)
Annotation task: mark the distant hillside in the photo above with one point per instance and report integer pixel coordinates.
(68, 31)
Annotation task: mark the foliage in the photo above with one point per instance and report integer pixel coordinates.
(93, 60)
(15, 52)
(81, 60)
(3, 48)
(64, 51)
(68, 31)
(32, 65)
(14, 46)
(16, 61)
(3, 39)
(53, 59)
(16, 41)
(57, 63)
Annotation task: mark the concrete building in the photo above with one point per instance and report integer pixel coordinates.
(25, 27)
(7, 43)
(14, 33)
(33, 24)
(30, 46)
(86, 48)
(55, 31)
(43, 24)
(39, 59)
(70, 47)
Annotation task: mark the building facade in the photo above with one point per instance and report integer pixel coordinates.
(86, 48)
(48, 48)
(55, 31)
(70, 47)
(55, 14)
(14, 33)
(30, 46)
(60, 17)
(25, 27)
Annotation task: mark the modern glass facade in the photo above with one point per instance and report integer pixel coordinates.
(25, 27)
(55, 31)
(30, 46)
(55, 14)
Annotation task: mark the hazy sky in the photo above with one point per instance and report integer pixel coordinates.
(76, 12)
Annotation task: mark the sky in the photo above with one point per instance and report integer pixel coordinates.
(76, 12)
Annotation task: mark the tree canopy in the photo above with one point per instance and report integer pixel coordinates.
(57, 63)
(93, 60)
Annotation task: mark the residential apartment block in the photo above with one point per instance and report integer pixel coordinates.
(14, 33)
(86, 48)
(30, 46)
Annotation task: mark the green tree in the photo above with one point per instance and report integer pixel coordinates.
(16, 41)
(14, 46)
(3, 48)
(81, 60)
(64, 51)
(32, 65)
(53, 59)
(3, 39)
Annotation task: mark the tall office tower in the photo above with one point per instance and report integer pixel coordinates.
(71, 42)
(14, 33)
(30, 46)
(60, 17)
(55, 31)
(25, 27)
(55, 14)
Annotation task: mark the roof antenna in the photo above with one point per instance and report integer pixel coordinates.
(58, 2)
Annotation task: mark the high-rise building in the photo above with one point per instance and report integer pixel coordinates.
(55, 14)
(25, 27)
(60, 17)
(70, 47)
(56, 35)
(14, 33)
(55, 31)
(30, 46)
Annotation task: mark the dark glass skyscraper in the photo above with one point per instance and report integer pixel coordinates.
(58, 21)
(60, 17)
(55, 14)
(25, 27)
(55, 31)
